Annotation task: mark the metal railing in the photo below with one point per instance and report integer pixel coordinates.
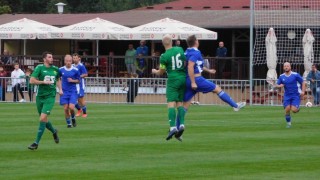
(114, 66)
(153, 90)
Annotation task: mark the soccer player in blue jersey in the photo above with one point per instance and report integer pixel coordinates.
(81, 105)
(197, 83)
(294, 88)
(70, 76)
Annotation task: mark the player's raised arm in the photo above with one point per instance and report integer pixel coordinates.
(211, 71)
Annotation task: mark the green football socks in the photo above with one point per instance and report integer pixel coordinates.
(50, 127)
(181, 113)
(172, 116)
(42, 127)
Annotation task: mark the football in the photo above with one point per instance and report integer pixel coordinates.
(308, 104)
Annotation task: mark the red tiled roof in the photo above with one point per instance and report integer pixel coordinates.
(205, 18)
(202, 5)
(233, 17)
(232, 5)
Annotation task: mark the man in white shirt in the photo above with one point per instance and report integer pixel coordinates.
(17, 76)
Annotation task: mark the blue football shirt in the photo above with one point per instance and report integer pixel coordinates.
(292, 84)
(82, 70)
(66, 73)
(194, 55)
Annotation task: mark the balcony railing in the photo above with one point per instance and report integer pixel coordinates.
(114, 66)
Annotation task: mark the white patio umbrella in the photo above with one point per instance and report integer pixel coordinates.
(94, 29)
(25, 29)
(307, 41)
(271, 50)
(178, 30)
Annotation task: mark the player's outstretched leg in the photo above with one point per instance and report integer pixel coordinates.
(226, 98)
(172, 122)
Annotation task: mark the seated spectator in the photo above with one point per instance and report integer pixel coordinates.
(3, 84)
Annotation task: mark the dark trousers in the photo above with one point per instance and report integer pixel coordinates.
(30, 92)
(222, 65)
(133, 90)
(130, 97)
(16, 89)
(316, 95)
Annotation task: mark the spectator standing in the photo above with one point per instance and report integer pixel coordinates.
(177, 43)
(30, 87)
(17, 77)
(314, 78)
(130, 58)
(6, 59)
(141, 64)
(3, 84)
(86, 60)
(221, 52)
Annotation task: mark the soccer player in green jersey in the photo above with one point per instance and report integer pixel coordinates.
(173, 61)
(47, 77)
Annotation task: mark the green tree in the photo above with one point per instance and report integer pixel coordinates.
(5, 9)
(85, 6)
(15, 5)
(33, 6)
(73, 6)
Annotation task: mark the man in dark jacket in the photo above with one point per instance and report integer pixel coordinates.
(221, 52)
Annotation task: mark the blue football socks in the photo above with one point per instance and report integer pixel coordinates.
(226, 98)
(78, 106)
(84, 109)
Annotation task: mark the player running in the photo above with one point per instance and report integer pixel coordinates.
(196, 83)
(70, 76)
(81, 105)
(47, 77)
(292, 82)
(173, 61)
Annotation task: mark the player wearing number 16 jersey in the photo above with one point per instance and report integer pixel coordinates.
(173, 61)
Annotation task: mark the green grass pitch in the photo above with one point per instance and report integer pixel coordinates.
(128, 142)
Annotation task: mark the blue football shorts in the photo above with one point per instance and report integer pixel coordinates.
(203, 84)
(291, 101)
(69, 98)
